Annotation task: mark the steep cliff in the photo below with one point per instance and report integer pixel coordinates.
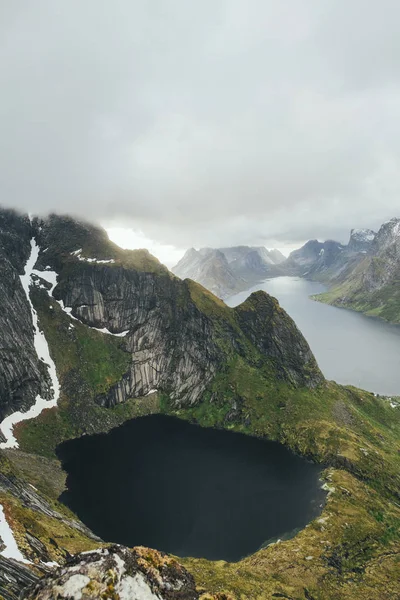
(22, 374)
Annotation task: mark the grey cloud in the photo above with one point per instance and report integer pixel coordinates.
(210, 123)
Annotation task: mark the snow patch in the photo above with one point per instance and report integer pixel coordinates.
(68, 310)
(79, 256)
(49, 276)
(108, 332)
(11, 549)
(42, 350)
(365, 235)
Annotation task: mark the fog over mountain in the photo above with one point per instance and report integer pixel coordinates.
(208, 124)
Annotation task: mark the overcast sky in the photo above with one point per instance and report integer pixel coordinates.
(209, 123)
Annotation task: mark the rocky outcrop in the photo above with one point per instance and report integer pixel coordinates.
(117, 572)
(11, 485)
(361, 240)
(275, 334)
(170, 341)
(15, 576)
(384, 266)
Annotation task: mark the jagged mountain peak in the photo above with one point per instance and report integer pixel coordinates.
(388, 233)
(227, 270)
(361, 240)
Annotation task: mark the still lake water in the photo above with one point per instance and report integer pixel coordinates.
(161, 482)
(349, 347)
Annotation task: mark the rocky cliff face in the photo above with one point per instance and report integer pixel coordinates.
(22, 373)
(361, 240)
(276, 335)
(385, 252)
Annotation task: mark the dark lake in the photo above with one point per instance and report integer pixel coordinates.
(161, 482)
(349, 347)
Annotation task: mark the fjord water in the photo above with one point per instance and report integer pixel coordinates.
(164, 483)
(349, 347)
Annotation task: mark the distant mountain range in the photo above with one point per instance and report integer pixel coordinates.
(326, 261)
(226, 271)
(363, 275)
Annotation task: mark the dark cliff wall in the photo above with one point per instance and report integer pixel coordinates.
(22, 374)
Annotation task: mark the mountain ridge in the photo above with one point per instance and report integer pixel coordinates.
(226, 271)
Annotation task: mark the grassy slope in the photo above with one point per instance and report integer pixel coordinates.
(56, 536)
(355, 548)
(383, 303)
(88, 364)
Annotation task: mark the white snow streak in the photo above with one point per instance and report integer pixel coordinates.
(105, 330)
(77, 253)
(11, 549)
(42, 350)
(41, 346)
(68, 310)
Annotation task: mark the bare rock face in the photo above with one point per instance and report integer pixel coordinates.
(22, 374)
(169, 339)
(385, 264)
(361, 240)
(276, 335)
(117, 573)
(14, 576)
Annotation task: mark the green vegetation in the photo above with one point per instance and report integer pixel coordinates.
(352, 551)
(88, 363)
(345, 554)
(63, 235)
(351, 293)
(57, 536)
(101, 359)
(383, 303)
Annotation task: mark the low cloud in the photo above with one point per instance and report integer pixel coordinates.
(210, 123)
